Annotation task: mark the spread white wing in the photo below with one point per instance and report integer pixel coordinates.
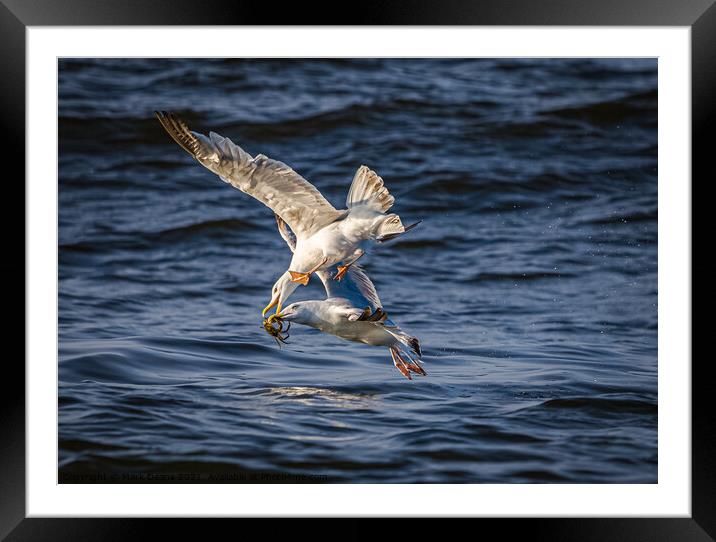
(271, 182)
(355, 286)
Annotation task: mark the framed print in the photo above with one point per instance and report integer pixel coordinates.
(482, 219)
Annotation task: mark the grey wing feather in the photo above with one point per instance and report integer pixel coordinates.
(367, 189)
(286, 233)
(355, 286)
(271, 182)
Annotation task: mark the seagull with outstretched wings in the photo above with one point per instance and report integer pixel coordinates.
(325, 236)
(352, 311)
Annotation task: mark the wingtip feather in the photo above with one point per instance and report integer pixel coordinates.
(179, 131)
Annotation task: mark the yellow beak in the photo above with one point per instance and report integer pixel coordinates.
(274, 302)
(276, 316)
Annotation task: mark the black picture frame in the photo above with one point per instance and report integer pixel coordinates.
(16, 15)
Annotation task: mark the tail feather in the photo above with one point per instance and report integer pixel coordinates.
(367, 189)
(391, 229)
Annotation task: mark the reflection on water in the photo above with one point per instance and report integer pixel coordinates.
(312, 396)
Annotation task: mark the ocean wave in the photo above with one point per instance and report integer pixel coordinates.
(206, 227)
(634, 106)
(602, 404)
(628, 218)
(518, 277)
(119, 124)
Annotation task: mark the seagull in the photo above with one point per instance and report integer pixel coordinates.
(325, 236)
(352, 311)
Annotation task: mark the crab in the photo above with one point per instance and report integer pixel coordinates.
(274, 327)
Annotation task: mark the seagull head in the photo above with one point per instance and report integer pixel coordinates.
(281, 290)
(300, 312)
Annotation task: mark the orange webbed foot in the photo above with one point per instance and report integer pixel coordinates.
(300, 278)
(342, 270)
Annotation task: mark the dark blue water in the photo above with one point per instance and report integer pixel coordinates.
(532, 282)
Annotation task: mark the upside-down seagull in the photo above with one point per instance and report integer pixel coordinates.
(352, 311)
(325, 236)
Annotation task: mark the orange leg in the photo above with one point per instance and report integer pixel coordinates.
(343, 269)
(302, 278)
(400, 364)
(414, 367)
